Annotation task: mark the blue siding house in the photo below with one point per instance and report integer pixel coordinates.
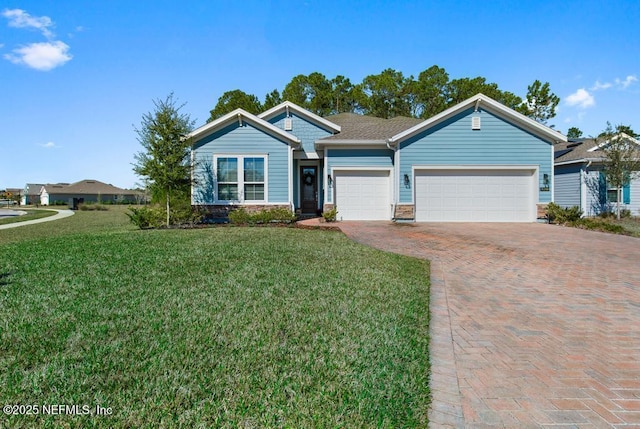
(478, 161)
(581, 182)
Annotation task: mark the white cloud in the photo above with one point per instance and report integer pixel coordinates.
(21, 19)
(581, 98)
(41, 56)
(628, 81)
(597, 86)
(617, 83)
(48, 145)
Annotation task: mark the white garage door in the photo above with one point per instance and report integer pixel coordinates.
(474, 196)
(362, 195)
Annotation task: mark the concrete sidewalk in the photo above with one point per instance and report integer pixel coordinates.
(60, 215)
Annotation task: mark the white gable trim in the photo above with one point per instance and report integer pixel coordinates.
(617, 137)
(312, 117)
(483, 102)
(241, 115)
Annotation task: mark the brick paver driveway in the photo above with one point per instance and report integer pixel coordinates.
(532, 325)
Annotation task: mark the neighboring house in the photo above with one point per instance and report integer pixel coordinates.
(86, 191)
(31, 194)
(16, 194)
(478, 161)
(580, 180)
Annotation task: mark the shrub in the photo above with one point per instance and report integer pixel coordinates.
(606, 214)
(611, 214)
(563, 215)
(92, 207)
(147, 217)
(240, 216)
(599, 225)
(330, 215)
(282, 215)
(183, 215)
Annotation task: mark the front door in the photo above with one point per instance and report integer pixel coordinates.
(309, 190)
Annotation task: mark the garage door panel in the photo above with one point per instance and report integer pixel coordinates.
(362, 195)
(474, 195)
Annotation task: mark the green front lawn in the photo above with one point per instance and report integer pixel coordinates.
(220, 327)
(31, 215)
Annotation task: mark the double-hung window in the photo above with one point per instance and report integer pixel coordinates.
(253, 179)
(241, 178)
(227, 172)
(612, 194)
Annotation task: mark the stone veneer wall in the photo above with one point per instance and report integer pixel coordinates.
(542, 210)
(404, 211)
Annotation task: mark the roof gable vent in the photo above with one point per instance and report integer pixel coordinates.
(288, 124)
(475, 122)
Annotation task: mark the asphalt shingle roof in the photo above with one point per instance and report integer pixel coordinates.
(90, 187)
(361, 127)
(574, 150)
(583, 149)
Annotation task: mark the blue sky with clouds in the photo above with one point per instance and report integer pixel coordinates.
(76, 76)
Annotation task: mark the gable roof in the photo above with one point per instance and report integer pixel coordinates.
(287, 106)
(482, 101)
(362, 129)
(33, 188)
(583, 150)
(241, 115)
(85, 187)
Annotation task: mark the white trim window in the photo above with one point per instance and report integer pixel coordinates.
(612, 193)
(241, 178)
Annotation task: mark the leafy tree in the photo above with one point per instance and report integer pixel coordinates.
(296, 91)
(320, 94)
(389, 94)
(430, 92)
(621, 159)
(344, 95)
(541, 102)
(459, 90)
(232, 100)
(271, 100)
(313, 92)
(574, 133)
(164, 160)
(509, 99)
(627, 130)
(386, 94)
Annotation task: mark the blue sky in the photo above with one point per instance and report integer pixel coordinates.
(76, 76)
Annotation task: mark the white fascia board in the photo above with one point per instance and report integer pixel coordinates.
(490, 105)
(578, 161)
(360, 168)
(318, 120)
(476, 167)
(237, 115)
(346, 143)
